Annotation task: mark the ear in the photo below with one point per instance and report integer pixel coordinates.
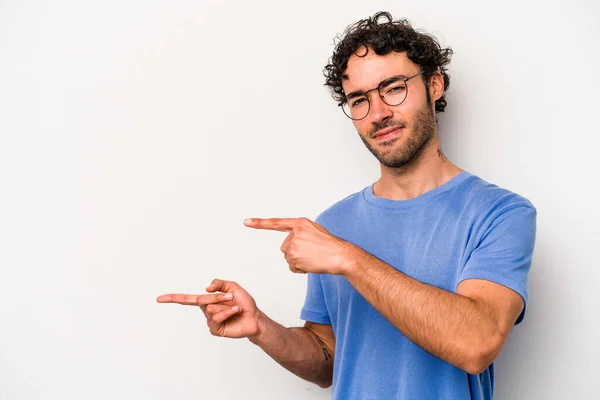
(436, 86)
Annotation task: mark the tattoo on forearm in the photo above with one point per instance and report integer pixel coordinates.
(323, 347)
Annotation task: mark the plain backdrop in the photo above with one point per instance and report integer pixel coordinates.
(135, 137)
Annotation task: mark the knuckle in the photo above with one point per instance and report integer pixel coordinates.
(293, 251)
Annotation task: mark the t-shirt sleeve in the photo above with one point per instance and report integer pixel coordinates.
(315, 309)
(504, 252)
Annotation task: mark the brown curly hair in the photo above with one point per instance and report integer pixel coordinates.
(383, 35)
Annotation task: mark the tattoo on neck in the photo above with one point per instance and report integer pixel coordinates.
(441, 155)
(326, 352)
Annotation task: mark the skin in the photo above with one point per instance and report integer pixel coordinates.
(466, 329)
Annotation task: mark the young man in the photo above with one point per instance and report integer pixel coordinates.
(415, 282)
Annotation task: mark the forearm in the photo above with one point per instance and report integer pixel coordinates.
(298, 350)
(452, 327)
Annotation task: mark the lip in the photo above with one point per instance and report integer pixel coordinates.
(388, 133)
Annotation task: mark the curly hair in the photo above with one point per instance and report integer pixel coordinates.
(383, 35)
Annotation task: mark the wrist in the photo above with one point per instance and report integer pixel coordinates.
(351, 259)
(261, 328)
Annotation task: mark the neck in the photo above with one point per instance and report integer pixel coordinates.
(429, 169)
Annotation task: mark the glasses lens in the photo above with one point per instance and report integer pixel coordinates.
(356, 107)
(394, 93)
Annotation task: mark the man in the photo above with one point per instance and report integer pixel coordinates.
(415, 282)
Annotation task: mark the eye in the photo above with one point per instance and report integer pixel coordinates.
(399, 88)
(358, 102)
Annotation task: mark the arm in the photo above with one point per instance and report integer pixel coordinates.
(231, 312)
(305, 351)
(466, 329)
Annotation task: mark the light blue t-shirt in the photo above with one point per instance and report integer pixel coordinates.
(465, 228)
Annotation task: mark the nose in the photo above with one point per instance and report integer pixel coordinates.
(379, 110)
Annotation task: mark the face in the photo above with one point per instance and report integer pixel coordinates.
(394, 134)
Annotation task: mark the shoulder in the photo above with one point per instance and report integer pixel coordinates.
(490, 207)
(485, 197)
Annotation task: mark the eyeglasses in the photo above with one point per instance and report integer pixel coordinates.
(392, 91)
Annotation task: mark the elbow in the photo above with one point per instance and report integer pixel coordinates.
(322, 378)
(324, 384)
(480, 357)
(325, 379)
(476, 367)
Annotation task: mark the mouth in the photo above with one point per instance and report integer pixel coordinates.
(388, 133)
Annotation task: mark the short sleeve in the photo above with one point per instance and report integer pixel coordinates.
(315, 309)
(505, 251)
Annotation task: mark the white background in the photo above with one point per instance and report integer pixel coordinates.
(135, 137)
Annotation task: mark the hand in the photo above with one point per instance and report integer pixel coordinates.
(231, 313)
(309, 247)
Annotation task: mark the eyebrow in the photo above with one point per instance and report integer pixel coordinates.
(385, 82)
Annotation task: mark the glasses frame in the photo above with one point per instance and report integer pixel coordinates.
(378, 88)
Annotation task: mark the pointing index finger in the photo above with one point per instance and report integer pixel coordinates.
(273, 224)
(195, 299)
(185, 299)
